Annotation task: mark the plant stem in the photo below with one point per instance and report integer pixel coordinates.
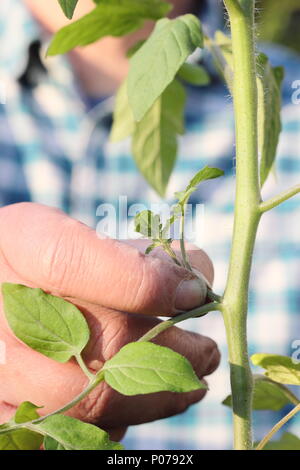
(171, 253)
(182, 244)
(277, 426)
(246, 218)
(282, 197)
(84, 368)
(99, 377)
(197, 312)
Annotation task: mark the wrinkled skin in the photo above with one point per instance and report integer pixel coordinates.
(119, 290)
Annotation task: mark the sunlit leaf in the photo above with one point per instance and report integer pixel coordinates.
(154, 66)
(48, 324)
(142, 367)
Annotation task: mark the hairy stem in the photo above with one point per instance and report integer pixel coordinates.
(84, 367)
(171, 253)
(246, 217)
(184, 255)
(197, 312)
(278, 426)
(282, 197)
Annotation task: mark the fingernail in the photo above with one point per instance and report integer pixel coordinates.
(190, 294)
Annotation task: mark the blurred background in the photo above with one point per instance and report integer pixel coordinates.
(279, 22)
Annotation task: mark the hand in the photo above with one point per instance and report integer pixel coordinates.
(119, 290)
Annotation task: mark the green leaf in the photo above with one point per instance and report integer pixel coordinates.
(52, 444)
(152, 247)
(22, 439)
(206, 173)
(267, 396)
(154, 143)
(155, 64)
(123, 122)
(278, 368)
(68, 7)
(72, 434)
(142, 367)
(48, 324)
(193, 74)
(26, 412)
(221, 51)
(269, 104)
(288, 441)
(148, 224)
(109, 18)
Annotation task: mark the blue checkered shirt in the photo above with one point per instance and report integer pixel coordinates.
(54, 149)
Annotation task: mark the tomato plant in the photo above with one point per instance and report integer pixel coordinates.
(149, 108)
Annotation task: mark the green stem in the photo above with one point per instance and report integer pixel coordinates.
(212, 296)
(282, 197)
(99, 377)
(84, 368)
(171, 253)
(246, 219)
(278, 426)
(182, 244)
(197, 312)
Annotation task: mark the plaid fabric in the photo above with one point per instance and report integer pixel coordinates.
(54, 149)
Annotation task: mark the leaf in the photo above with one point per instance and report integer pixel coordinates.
(142, 367)
(155, 64)
(193, 74)
(148, 224)
(204, 174)
(68, 7)
(22, 439)
(26, 412)
(269, 104)
(109, 18)
(123, 122)
(152, 247)
(288, 441)
(52, 444)
(72, 434)
(48, 324)
(154, 143)
(267, 396)
(278, 368)
(221, 50)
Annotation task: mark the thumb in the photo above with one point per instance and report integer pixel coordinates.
(50, 250)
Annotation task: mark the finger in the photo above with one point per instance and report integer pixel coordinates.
(111, 329)
(146, 408)
(116, 434)
(59, 254)
(37, 373)
(197, 257)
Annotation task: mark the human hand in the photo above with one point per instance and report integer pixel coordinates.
(119, 290)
